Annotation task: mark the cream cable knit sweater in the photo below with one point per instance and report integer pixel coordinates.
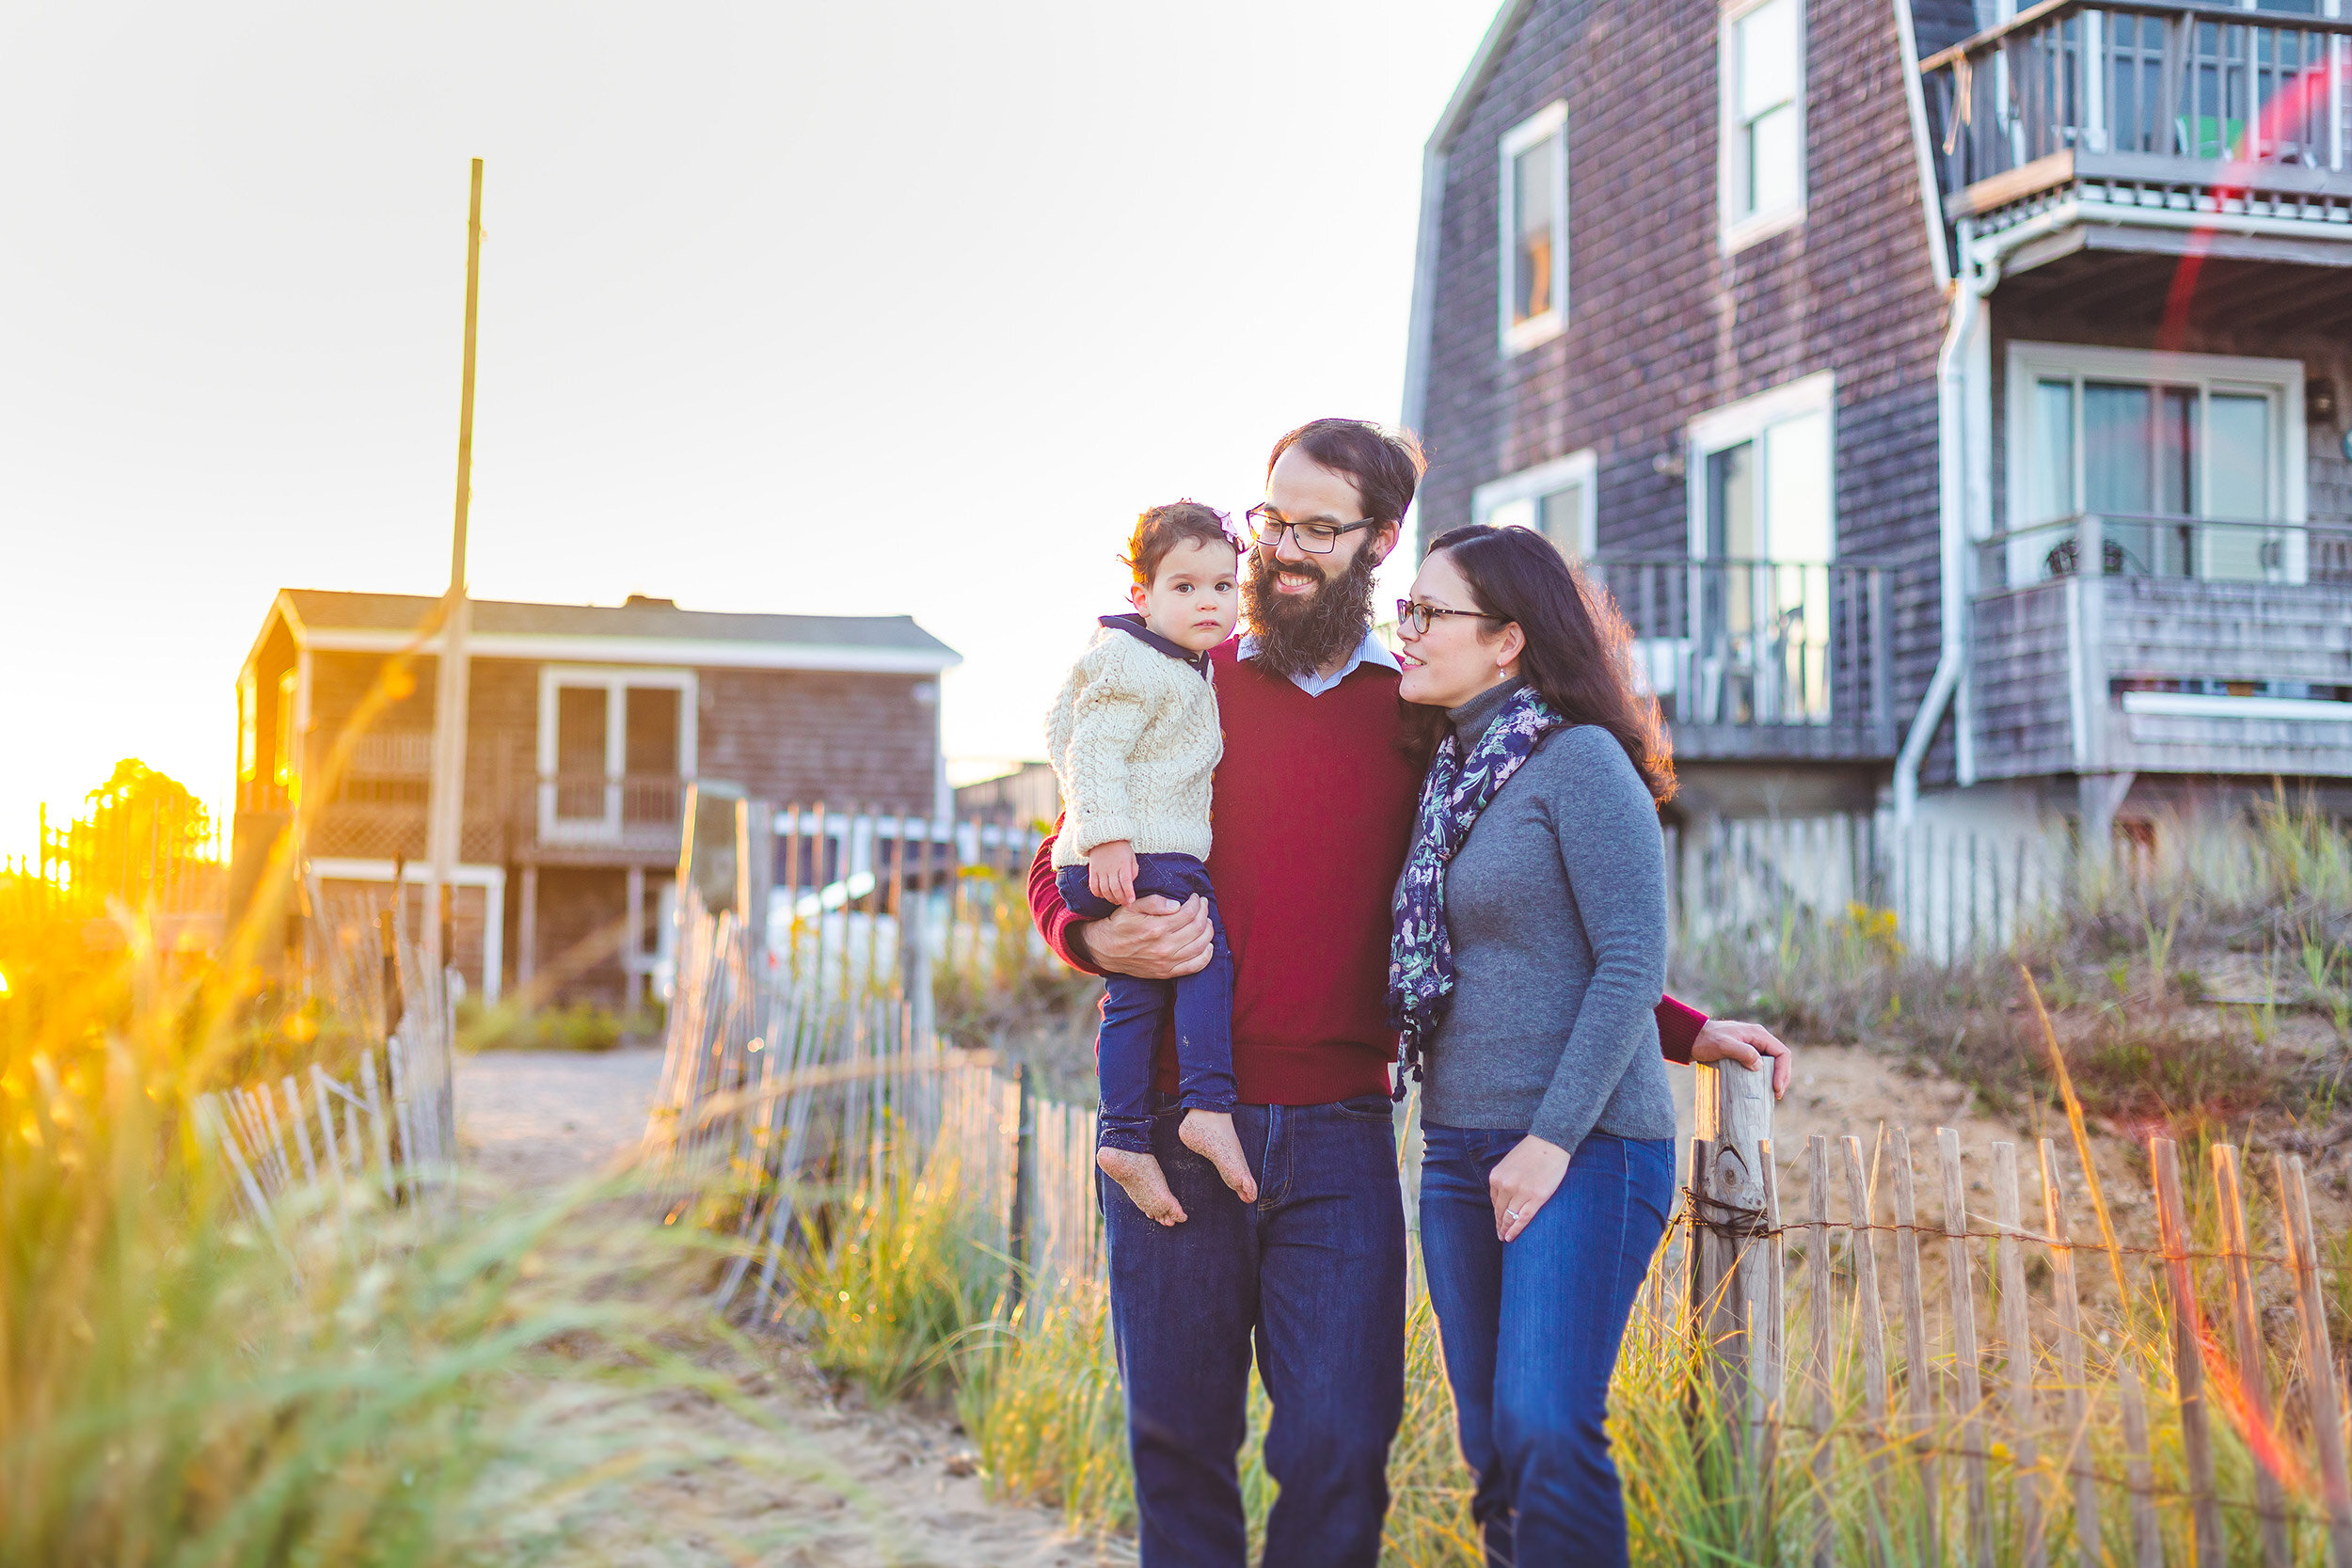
(1133, 739)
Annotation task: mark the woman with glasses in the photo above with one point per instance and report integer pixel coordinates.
(1530, 951)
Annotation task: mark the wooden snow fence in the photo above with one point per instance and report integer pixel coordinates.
(1975, 1369)
(802, 1063)
(340, 1140)
(389, 1125)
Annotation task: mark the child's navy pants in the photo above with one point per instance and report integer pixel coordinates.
(1132, 1010)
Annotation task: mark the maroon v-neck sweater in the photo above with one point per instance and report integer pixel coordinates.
(1311, 812)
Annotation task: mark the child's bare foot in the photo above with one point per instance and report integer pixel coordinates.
(1140, 1177)
(1211, 1135)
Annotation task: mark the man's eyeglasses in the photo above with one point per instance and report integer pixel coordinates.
(1418, 616)
(1266, 526)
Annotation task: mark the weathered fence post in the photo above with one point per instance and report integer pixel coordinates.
(2077, 1399)
(2189, 1366)
(1965, 1363)
(2017, 1348)
(1871, 1327)
(2319, 1361)
(2253, 1381)
(1824, 1310)
(754, 880)
(1024, 1183)
(1918, 1375)
(1731, 1274)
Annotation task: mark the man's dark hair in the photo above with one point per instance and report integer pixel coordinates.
(1386, 465)
(1161, 528)
(1578, 648)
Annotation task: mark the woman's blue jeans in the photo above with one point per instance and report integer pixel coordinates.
(1531, 1333)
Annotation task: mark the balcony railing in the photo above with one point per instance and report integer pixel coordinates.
(2179, 106)
(1762, 658)
(615, 810)
(2195, 646)
(2136, 546)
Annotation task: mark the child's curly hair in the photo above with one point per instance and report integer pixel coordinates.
(1161, 528)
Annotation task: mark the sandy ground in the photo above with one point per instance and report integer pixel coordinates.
(842, 1483)
(832, 1483)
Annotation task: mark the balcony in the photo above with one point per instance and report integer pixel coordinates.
(1764, 661)
(583, 819)
(2199, 646)
(2148, 127)
(589, 815)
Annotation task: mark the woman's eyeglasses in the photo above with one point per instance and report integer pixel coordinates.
(1418, 616)
(1266, 526)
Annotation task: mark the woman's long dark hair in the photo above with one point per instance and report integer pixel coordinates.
(1579, 652)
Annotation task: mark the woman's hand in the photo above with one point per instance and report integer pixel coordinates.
(1522, 1181)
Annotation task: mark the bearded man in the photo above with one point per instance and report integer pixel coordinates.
(1313, 804)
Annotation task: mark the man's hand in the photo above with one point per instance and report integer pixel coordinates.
(1724, 1040)
(1111, 872)
(1152, 938)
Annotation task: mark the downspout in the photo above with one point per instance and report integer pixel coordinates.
(1976, 277)
(1951, 375)
(1974, 281)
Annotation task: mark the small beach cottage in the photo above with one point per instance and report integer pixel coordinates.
(585, 725)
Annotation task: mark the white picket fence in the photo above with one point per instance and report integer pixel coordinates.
(1955, 893)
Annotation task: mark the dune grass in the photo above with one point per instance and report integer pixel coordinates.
(1036, 1385)
(354, 1382)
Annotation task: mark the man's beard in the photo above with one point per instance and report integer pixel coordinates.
(1300, 634)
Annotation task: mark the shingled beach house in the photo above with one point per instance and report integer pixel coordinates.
(1949, 394)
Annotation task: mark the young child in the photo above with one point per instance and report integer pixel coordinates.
(1133, 739)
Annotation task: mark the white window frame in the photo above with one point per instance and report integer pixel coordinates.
(1747, 421)
(1739, 228)
(1550, 123)
(1579, 468)
(615, 679)
(2281, 380)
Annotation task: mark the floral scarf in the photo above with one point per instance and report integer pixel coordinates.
(1421, 956)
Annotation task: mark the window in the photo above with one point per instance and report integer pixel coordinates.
(1535, 239)
(1556, 500)
(1761, 477)
(615, 748)
(1763, 540)
(287, 765)
(1761, 162)
(248, 726)
(2174, 453)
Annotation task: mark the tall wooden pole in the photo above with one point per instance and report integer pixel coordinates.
(445, 816)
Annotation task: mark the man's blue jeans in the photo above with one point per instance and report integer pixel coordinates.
(1132, 1010)
(1531, 1333)
(1312, 1278)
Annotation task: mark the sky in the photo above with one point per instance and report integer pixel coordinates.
(840, 309)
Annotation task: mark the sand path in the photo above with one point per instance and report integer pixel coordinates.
(842, 1483)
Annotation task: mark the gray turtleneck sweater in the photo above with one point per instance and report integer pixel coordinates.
(1557, 908)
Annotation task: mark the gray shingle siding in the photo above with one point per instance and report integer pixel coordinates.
(1661, 326)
